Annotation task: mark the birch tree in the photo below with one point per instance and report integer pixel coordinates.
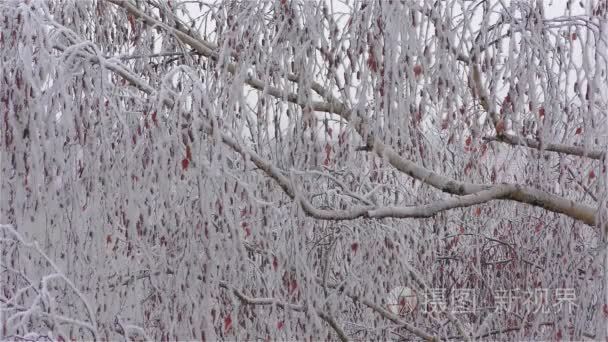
(280, 170)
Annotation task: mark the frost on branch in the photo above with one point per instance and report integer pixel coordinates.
(45, 307)
(274, 170)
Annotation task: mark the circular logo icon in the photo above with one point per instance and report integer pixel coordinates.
(401, 300)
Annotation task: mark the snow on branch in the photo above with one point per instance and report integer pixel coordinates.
(43, 307)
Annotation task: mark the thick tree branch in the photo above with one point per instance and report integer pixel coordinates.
(261, 301)
(517, 193)
(334, 325)
(579, 151)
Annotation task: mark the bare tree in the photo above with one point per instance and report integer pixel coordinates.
(396, 170)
